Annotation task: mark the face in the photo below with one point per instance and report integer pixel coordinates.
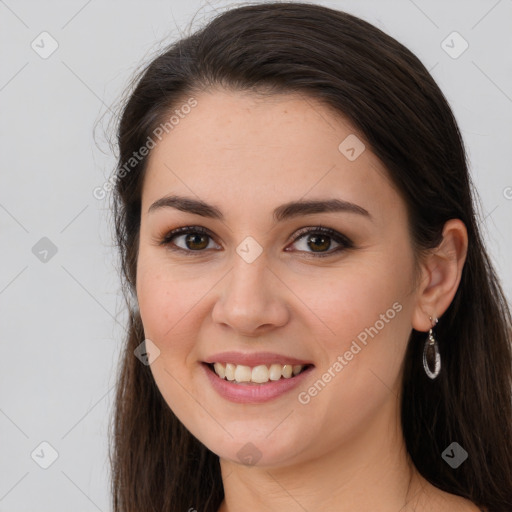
(327, 292)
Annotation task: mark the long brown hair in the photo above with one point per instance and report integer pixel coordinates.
(389, 96)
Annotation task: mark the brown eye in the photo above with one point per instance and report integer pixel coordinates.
(319, 240)
(196, 241)
(188, 239)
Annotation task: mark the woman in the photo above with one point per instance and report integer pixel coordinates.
(317, 323)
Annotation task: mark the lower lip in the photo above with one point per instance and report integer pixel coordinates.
(253, 393)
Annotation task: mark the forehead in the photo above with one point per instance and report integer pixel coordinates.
(238, 148)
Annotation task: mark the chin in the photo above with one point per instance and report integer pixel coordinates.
(253, 450)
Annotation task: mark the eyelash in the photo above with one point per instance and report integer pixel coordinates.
(345, 243)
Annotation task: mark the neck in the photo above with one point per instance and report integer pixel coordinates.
(370, 471)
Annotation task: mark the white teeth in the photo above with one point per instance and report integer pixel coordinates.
(230, 371)
(258, 374)
(276, 371)
(287, 371)
(242, 373)
(297, 369)
(220, 370)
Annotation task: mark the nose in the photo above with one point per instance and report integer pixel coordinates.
(251, 299)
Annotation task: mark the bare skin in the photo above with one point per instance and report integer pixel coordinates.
(343, 449)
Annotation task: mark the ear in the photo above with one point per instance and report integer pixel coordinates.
(441, 271)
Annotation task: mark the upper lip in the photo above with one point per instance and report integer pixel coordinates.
(254, 359)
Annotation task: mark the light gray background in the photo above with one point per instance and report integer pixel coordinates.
(61, 320)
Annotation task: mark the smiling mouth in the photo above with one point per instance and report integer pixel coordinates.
(260, 374)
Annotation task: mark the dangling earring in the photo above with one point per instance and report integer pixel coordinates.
(431, 354)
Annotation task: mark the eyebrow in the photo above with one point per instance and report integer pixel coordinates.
(283, 212)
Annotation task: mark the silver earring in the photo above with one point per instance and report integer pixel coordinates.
(431, 354)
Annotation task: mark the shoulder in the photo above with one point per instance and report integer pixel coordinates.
(441, 501)
(454, 503)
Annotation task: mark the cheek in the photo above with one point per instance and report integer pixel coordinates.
(164, 304)
(367, 311)
(173, 304)
(360, 295)
(155, 304)
(369, 314)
